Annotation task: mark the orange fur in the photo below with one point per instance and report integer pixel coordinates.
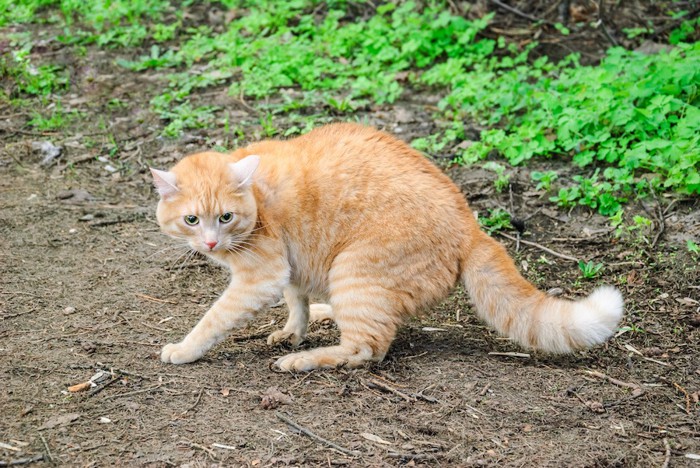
(356, 216)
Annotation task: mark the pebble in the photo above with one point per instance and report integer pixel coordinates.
(104, 420)
(69, 310)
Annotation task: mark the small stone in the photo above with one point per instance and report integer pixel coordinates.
(69, 310)
(87, 217)
(104, 420)
(72, 231)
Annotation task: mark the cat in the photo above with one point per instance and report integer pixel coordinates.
(358, 217)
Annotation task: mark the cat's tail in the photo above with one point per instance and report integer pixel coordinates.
(515, 308)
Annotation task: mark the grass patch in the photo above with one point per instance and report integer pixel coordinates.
(632, 123)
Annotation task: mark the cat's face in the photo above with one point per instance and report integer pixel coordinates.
(208, 201)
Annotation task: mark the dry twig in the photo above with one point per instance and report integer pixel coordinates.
(308, 433)
(637, 391)
(372, 383)
(199, 398)
(22, 461)
(541, 247)
(667, 459)
(136, 392)
(517, 12)
(154, 299)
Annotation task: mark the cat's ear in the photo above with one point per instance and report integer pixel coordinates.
(243, 170)
(165, 182)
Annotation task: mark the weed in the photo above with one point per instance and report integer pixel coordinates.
(502, 179)
(589, 270)
(55, 120)
(544, 179)
(497, 220)
(692, 247)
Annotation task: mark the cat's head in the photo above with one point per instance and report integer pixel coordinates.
(208, 201)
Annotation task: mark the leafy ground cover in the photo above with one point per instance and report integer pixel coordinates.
(560, 137)
(630, 122)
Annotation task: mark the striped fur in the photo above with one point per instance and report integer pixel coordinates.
(357, 217)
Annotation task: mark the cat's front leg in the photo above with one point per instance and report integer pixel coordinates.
(236, 307)
(294, 330)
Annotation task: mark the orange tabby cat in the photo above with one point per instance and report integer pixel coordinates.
(354, 215)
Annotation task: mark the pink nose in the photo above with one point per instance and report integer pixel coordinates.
(211, 244)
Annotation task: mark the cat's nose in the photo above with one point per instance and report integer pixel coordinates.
(211, 244)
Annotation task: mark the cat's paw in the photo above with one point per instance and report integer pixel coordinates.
(297, 362)
(320, 313)
(281, 336)
(179, 353)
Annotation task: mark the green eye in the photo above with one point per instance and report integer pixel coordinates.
(191, 220)
(226, 217)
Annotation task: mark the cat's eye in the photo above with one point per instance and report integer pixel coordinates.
(191, 220)
(226, 217)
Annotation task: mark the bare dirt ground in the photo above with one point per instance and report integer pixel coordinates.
(89, 285)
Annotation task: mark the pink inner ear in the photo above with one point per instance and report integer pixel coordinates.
(165, 182)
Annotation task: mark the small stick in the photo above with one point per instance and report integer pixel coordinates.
(154, 299)
(372, 383)
(518, 355)
(307, 432)
(517, 12)
(155, 387)
(22, 461)
(209, 451)
(667, 460)
(485, 389)
(48, 450)
(155, 328)
(97, 390)
(636, 351)
(541, 247)
(222, 446)
(687, 397)
(199, 397)
(410, 456)
(636, 389)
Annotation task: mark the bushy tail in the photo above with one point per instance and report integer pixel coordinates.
(515, 308)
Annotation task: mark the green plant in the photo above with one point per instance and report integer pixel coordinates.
(692, 247)
(497, 220)
(30, 78)
(55, 119)
(544, 179)
(589, 270)
(643, 227)
(502, 179)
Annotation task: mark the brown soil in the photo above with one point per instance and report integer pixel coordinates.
(89, 284)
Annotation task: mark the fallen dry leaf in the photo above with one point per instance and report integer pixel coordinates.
(60, 420)
(273, 397)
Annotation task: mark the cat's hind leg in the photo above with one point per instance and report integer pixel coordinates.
(367, 318)
(294, 330)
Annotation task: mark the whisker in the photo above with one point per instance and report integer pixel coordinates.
(165, 249)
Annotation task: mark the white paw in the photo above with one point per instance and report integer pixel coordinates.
(297, 362)
(179, 353)
(320, 313)
(281, 336)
